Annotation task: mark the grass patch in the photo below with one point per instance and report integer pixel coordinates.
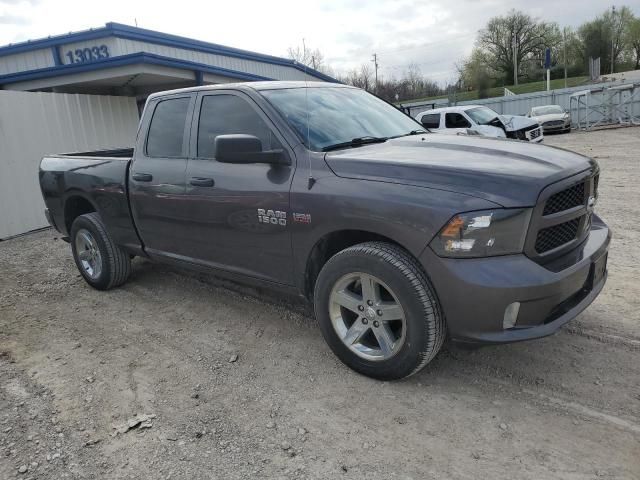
(517, 89)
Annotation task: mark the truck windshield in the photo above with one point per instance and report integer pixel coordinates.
(338, 115)
(482, 115)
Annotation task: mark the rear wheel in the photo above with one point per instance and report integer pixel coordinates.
(378, 312)
(101, 262)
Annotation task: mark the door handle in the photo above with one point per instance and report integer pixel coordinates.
(201, 182)
(142, 177)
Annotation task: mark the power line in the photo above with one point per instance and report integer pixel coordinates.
(375, 64)
(613, 21)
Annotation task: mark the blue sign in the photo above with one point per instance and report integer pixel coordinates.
(547, 58)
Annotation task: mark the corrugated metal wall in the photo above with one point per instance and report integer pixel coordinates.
(42, 58)
(35, 124)
(20, 62)
(280, 72)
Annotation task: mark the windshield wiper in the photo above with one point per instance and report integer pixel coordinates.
(355, 142)
(412, 132)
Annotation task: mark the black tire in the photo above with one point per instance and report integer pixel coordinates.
(425, 328)
(115, 262)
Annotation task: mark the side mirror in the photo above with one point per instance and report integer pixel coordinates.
(241, 148)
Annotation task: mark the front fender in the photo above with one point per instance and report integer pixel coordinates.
(408, 215)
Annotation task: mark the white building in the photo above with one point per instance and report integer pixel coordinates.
(88, 90)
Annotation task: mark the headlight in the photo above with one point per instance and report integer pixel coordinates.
(483, 233)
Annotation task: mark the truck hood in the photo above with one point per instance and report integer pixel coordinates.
(513, 123)
(507, 172)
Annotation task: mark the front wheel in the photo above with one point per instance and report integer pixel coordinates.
(102, 263)
(378, 312)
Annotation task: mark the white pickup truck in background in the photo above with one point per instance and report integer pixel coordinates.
(480, 120)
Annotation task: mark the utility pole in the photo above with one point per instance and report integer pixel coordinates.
(375, 64)
(515, 59)
(564, 49)
(613, 21)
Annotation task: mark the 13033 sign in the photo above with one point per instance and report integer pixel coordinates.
(89, 54)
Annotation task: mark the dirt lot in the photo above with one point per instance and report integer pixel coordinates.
(75, 363)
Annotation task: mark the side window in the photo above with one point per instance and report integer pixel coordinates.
(431, 120)
(456, 120)
(166, 132)
(227, 115)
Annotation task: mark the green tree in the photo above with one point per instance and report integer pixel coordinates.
(633, 40)
(618, 21)
(605, 36)
(475, 72)
(530, 37)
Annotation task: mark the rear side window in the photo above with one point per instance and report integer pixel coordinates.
(456, 120)
(431, 120)
(228, 115)
(166, 132)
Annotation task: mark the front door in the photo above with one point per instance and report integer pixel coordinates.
(455, 122)
(238, 217)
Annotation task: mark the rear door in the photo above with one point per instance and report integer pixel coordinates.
(239, 218)
(157, 175)
(431, 121)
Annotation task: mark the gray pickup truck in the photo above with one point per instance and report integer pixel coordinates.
(400, 237)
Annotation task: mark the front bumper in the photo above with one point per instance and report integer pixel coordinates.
(535, 135)
(474, 293)
(556, 128)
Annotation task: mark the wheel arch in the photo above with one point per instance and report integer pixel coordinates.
(330, 244)
(76, 204)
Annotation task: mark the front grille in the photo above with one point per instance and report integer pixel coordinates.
(562, 218)
(566, 199)
(556, 236)
(553, 123)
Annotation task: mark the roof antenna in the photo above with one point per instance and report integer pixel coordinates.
(311, 180)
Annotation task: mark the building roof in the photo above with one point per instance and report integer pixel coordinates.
(258, 86)
(25, 65)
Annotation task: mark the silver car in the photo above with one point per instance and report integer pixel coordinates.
(552, 118)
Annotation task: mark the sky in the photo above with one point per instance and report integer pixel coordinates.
(433, 34)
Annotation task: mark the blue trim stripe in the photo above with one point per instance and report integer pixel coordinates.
(134, 33)
(55, 52)
(134, 58)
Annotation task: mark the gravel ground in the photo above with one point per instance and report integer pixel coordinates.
(237, 385)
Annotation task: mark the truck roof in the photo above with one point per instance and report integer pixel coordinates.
(264, 85)
(457, 108)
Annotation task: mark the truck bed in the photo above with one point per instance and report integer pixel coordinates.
(114, 153)
(82, 182)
